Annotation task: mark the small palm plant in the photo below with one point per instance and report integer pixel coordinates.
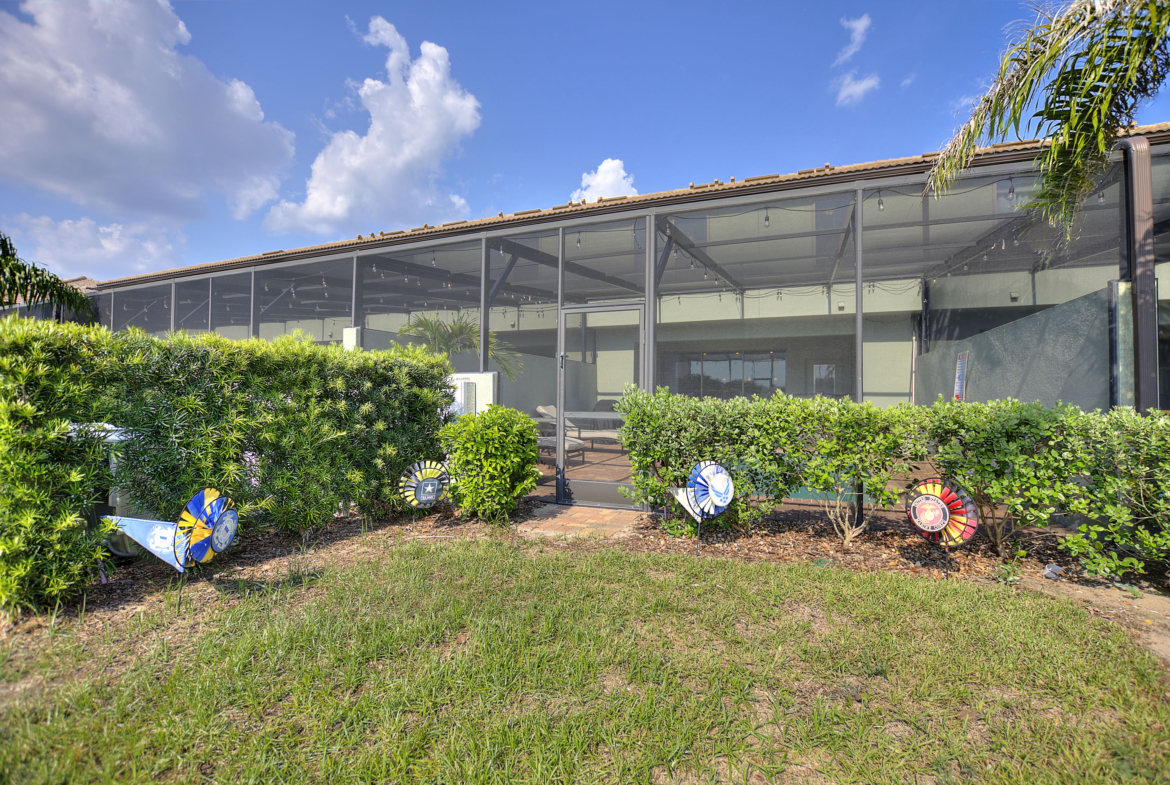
(461, 336)
(1077, 76)
(22, 283)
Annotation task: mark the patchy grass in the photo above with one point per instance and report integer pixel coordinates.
(507, 662)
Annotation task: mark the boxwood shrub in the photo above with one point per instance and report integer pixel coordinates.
(492, 459)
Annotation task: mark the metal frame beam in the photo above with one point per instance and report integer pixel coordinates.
(701, 256)
(548, 260)
(1139, 268)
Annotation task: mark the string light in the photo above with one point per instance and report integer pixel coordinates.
(578, 239)
(1101, 198)
(1011, 189)
(432, 258)
(767, 219)
(881, 204)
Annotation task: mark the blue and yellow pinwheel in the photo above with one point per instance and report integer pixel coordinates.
(207, 526)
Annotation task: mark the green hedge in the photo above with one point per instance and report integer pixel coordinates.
(1022, 463)
(50, 377)
(289, 429)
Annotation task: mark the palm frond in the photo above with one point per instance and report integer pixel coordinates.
(1082, 72)
(26, 284)
(461, 336)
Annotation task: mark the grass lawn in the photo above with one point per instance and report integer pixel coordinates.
(489, 661)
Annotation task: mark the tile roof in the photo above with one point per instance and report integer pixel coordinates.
(997, 153)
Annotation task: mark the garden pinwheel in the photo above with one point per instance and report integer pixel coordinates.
(207, 526)
(424, 484)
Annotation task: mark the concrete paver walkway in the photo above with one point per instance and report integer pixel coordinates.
(568, 520)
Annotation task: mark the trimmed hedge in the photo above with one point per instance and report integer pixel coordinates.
(50, 377)
(1022, 463)
(289, 429)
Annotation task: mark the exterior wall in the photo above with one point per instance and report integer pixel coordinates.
(1058, 354)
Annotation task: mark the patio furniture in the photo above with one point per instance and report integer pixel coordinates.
(547, 446)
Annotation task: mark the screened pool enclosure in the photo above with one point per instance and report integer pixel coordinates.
(838, 282)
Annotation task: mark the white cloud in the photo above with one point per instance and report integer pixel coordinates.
(909, 80)
(82, 247)
(858, 29)
(851, 90)
(100, 108)
(608, 179)
(387, 178)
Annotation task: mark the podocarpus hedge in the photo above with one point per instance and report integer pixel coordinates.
(50, 377)
(288, 429)
(1023, 463)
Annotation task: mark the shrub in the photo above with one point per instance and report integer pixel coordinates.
(666, 435)
(1127, 493)
(857, 447)
(185, 406)
(288, 427)
(492, 459)
(1021, 462)
(49, 479)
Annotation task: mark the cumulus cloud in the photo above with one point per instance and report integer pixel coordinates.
(850, 90)
(858, 30)
(83, 247)
(608, 179)
(101, 108)
(387, 178)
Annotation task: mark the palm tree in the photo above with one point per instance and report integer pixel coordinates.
(22, 283)
(1088, 66)
(461, 336)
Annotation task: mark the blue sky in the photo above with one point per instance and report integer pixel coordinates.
(139, 136)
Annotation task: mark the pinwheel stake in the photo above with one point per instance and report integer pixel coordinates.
(708, 492)
(943, 513)
(423, 485)
(207, 526)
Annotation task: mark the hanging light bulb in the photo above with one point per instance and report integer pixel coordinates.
(323, 281)
(326, 294)
(1015, 241)
(406, 279)
(381, 301)
(767, 219)
(1101, 197)
(375, 266)
(692, 264)
(676, 254)
(881, 204)
(704, 273)
(985, 257)
(1011, 189)
(578, 239)
(432, 258)
(266, 286)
